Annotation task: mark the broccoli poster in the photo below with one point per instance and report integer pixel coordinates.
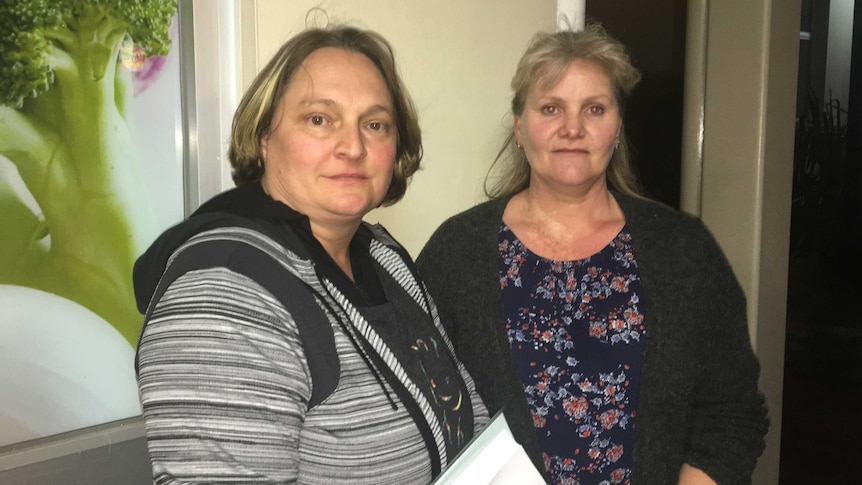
(89, 175)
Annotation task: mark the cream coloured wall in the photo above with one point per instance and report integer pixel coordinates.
(456, 58)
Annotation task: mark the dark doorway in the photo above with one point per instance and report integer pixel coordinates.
(654, 113)
(821, 430)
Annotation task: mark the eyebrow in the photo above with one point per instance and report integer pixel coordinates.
(602, 98)
(554, 98)
(377, 108)
(323, 101)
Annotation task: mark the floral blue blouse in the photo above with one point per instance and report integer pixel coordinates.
(577, 333)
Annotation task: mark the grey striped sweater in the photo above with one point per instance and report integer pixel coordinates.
(225, 383)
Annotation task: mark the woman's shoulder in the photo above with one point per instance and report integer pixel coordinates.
(465, 235)
(476, 219)
(640, 207)
(653, 218)
(671, 238)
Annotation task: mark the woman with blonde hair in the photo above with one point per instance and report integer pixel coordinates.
(609, 329)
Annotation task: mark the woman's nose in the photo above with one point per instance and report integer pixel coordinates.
(572, 125)
(351, 143)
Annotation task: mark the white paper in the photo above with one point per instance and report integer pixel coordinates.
(493, 457)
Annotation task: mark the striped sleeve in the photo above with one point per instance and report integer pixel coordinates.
(223, 383)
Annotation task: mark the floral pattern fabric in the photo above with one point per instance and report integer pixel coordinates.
(577, 331)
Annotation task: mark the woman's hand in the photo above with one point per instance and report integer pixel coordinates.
(689, 475)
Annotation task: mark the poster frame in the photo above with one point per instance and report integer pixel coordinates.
(115, 452)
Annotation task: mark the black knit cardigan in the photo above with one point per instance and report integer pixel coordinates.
(698, 403)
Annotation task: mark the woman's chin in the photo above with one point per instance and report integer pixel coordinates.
(353, 208)
(62, 367)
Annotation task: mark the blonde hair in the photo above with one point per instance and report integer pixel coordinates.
(542, 65)
(253, 118)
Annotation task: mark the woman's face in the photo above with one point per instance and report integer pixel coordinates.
(569, 131)
(331, 152)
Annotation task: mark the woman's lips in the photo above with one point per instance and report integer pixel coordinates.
(571, 150)
(347, 177)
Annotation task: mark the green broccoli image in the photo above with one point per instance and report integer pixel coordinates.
(83, 217)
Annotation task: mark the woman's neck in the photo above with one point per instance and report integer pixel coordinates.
(564, 226)
(334, 235)
(594, 206)
(335, 239)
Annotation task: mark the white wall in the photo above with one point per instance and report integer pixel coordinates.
(456, 58)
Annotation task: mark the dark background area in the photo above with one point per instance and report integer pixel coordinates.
(821, 429)
(653, 118)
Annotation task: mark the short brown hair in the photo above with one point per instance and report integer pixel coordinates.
(543, 64)
(253, 119)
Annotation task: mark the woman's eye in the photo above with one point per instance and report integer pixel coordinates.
(377, 126)
(596, 110)
(316, 120)
(549, 110)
